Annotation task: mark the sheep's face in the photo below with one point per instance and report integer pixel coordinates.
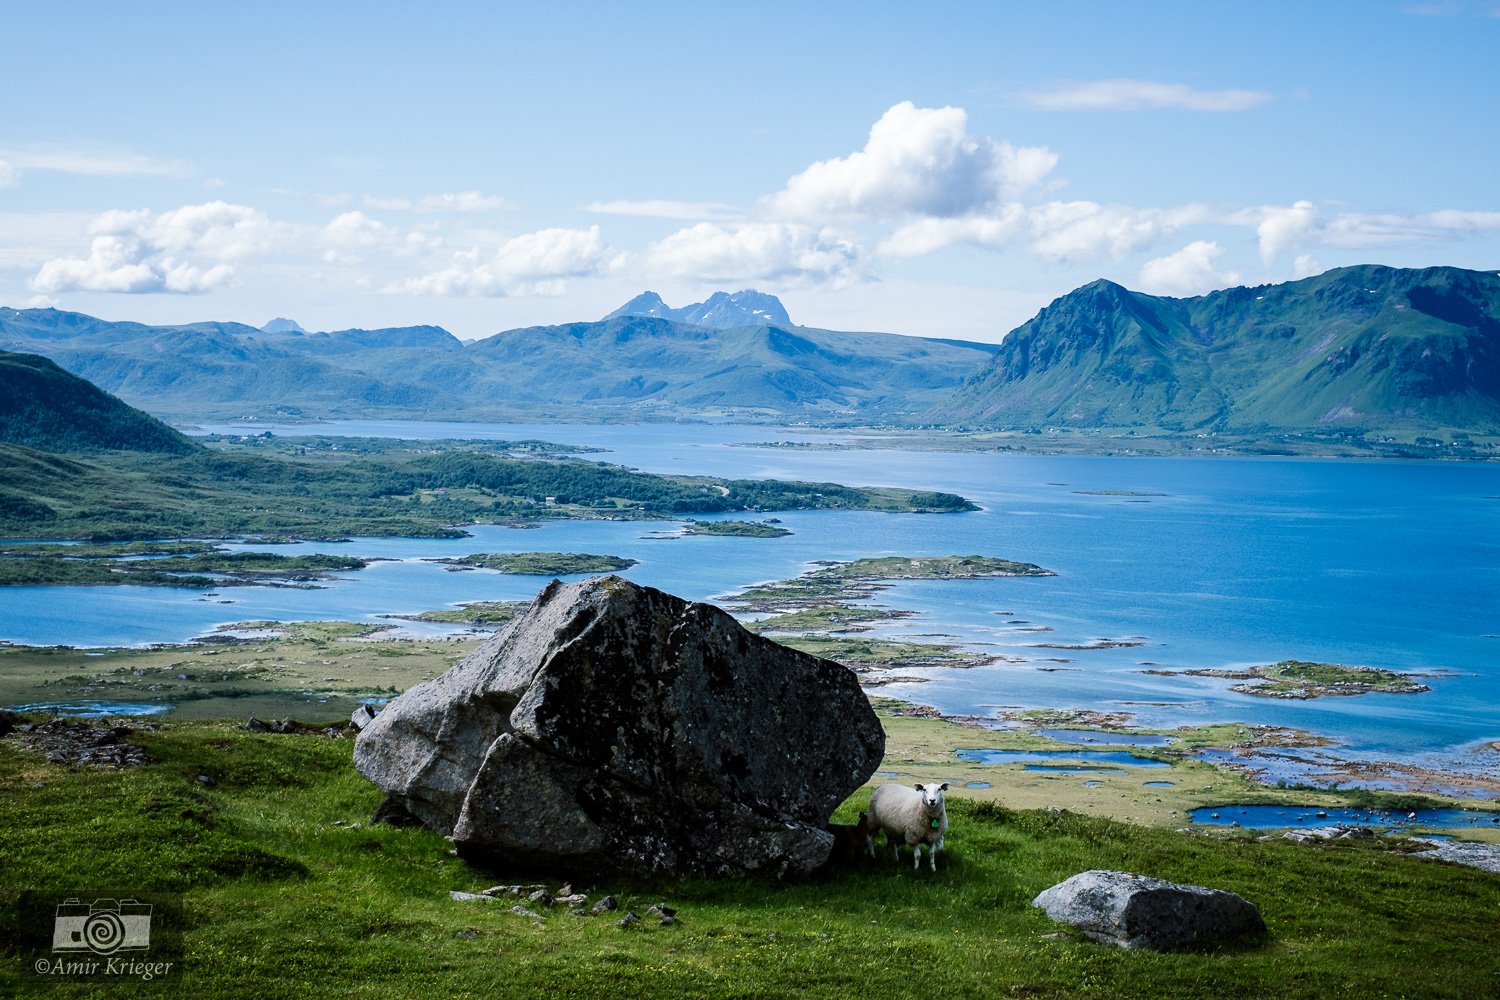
(932, 797)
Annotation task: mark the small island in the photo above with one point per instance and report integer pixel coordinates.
(537, 563)
(738, 529)
(927, 568)
(164, 564)
(1302, 679)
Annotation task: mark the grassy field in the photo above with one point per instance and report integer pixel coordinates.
(288, 891)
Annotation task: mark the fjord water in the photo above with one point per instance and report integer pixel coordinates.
(1205, 562)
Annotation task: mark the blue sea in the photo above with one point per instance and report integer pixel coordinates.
(1204, 562)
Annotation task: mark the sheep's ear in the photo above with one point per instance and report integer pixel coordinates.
(919, 787)
(943, 787)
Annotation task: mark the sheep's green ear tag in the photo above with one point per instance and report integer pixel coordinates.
(934, 824)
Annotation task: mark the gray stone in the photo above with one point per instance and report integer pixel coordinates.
(1462, 852)
(363, 716)
(616, 727)
(1134, 911)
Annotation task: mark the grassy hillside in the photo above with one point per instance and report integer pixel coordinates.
(287, 887)
(46, 408)
(1364, 349)
(294, 491)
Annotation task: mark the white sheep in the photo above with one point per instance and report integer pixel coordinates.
(911, 815)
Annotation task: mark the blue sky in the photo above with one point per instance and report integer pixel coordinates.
(942, 169)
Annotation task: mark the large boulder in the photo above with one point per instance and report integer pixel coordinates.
(615, 726)
(1135, 911)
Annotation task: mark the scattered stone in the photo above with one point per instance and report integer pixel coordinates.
(467, 932)
(1135, 911)
(363, 716)
(256, 726)
(77, 744)
(661, 910)
(541, 896)
(8, 722)
(606, 904)
(205, 780)
(521, 911)
(469, 897)
(501, 890)
(572, 899)
(616, 727)
(668, 920)
(628, 919)
(1340, 832)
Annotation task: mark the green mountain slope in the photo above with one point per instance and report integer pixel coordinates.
(46, 408)
(1367, 349)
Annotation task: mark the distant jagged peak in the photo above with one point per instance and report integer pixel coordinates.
(721, 311)
(282, 325)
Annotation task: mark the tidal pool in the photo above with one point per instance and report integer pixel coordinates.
(1101, 738)
(1052, 759)
(94, 709)
(1277, 817)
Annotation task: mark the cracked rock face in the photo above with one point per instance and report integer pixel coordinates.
(618, 727)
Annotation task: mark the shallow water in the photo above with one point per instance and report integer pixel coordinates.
(1049, 759)
(1305, 817)
(94, 709)
(1099, 738)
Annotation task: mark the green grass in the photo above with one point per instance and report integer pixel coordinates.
(284, 897)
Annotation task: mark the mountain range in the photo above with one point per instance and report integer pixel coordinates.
(1360, 351)
(630, 366)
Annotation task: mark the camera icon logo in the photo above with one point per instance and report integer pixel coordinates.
(102, 927)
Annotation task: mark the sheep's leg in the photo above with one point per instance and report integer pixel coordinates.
(932, 850)
(916, 856)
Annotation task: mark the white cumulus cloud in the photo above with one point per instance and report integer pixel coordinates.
(9, 175)
(1190, 271)
(1138, 95)
(772, 252)
(917, 161)
(531, 264)
(184, 250)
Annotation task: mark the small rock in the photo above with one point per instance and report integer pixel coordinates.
(256, 726)
(468, 897)
(521, 911)
(628, 920)
(566, 890)
(540, 896)
(204, 779)
(571, 900)
(606, 904)
(668, 920)
(661, 910)
(468, 932)
(362, 716)
(501, 890)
